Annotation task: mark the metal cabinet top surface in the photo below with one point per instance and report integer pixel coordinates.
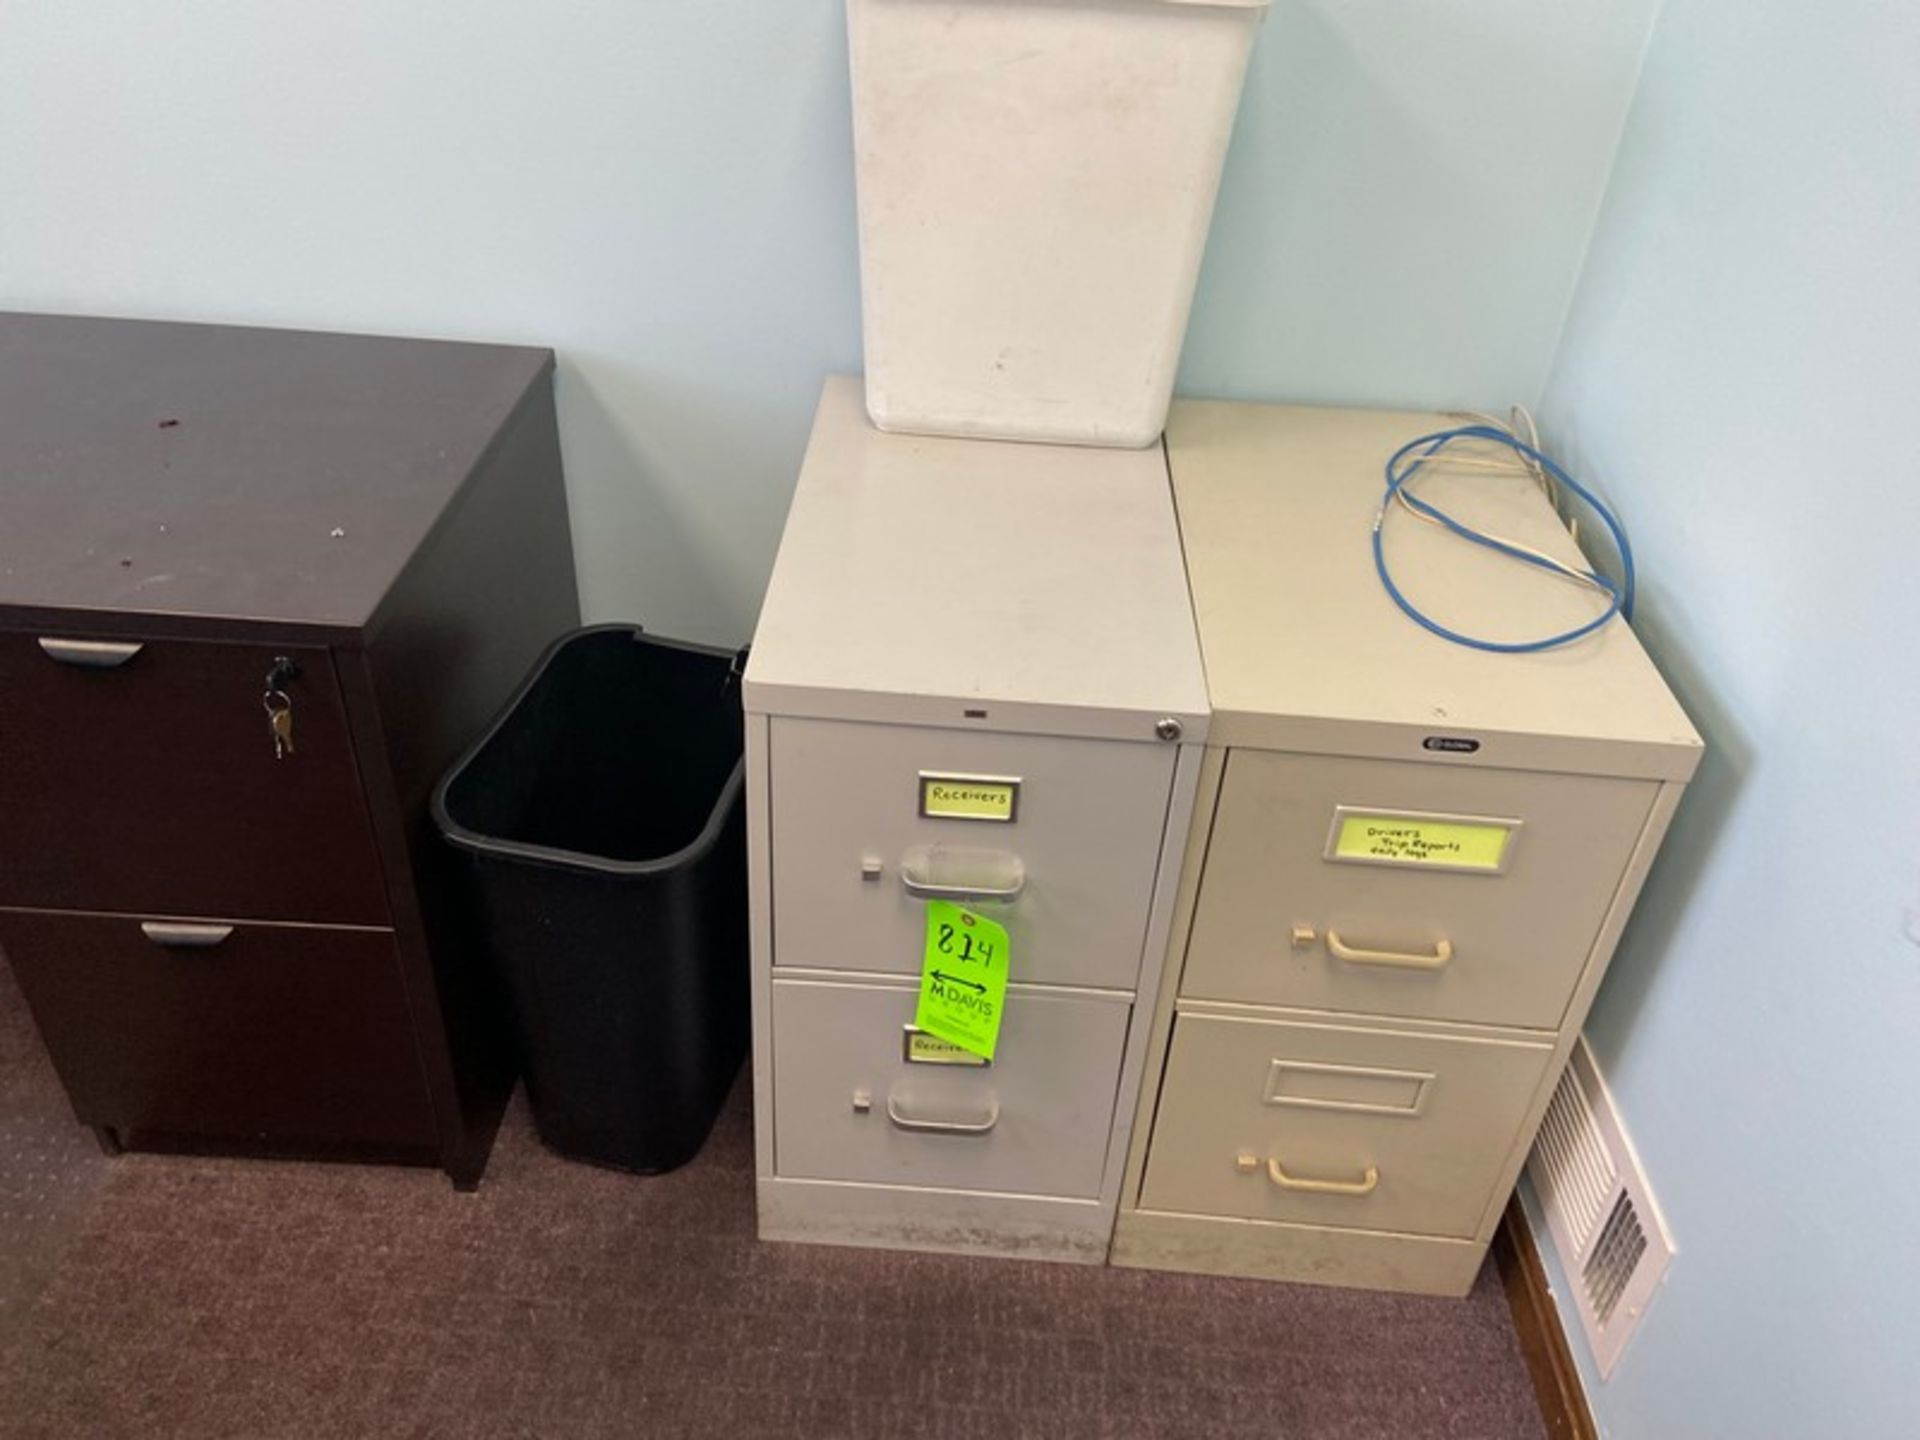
(213, 471)
(1305, 650)
(922, 580)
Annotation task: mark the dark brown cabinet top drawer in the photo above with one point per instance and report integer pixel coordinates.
(139, 775)
(297, 1034)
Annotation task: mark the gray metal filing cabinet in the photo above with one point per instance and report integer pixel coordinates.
(1007, 618)
(1409, 863)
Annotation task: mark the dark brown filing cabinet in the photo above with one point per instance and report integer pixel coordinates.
(226, 950)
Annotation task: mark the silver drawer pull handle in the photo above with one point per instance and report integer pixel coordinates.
(997, 894)
(1442, 953)
(916, 873)
(93, 654)
(1365, 1185)
(945, 1127)
(184, 937)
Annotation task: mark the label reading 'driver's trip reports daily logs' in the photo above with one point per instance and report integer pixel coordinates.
(1438, 842)
(963, 980)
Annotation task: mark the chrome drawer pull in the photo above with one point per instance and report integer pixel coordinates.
(915, 874)
(927, 890)
(1442, 953)
(945, 1127)
(93, 654)
(1363, 1186)
(184, 937)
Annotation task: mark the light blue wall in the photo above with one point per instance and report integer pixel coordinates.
(1739, 373)
(1408, 199)
(662, 190)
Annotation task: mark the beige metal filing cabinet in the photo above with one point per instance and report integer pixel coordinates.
(977, 610)
(1365, 1011)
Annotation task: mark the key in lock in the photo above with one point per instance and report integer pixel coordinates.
(279, 707)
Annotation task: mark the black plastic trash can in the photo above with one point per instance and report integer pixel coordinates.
(603, 817)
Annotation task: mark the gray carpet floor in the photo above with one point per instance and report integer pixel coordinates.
(155, 1296)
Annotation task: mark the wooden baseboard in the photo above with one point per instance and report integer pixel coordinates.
(1556, 1381)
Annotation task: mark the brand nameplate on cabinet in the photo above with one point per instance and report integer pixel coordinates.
(993, 798)
(1474, 843)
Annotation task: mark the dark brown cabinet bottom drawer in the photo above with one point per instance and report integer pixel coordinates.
(277, 1037)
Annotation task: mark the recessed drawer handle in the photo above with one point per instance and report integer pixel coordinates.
(1442, 953)
(184, 937)
(944, 1127)
(1365, 1185)
(921, 887)
(93, 654)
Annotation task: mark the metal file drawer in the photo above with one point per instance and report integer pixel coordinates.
(849, 1106)
(1494, 948)
(1363, 1128)
(1083, 847)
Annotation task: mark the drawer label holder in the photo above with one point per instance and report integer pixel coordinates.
(992, 798)
(963, 979)
(919, 1048)
(1473, 844)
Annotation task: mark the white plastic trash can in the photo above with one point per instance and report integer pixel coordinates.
(1036, 178)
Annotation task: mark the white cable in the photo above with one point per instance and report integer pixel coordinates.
(1508, 462)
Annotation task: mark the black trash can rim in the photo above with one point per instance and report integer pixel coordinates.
(576, 860)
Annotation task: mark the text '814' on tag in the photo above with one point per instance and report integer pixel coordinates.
(963, 978)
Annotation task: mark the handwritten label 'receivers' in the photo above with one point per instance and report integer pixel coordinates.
(961, 797)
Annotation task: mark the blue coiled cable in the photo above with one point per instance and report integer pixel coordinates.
(1406, 464)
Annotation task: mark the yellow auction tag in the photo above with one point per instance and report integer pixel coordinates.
(963, 979)
(1438, 842)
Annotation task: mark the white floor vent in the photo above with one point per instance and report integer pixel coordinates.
(1612, 1242)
